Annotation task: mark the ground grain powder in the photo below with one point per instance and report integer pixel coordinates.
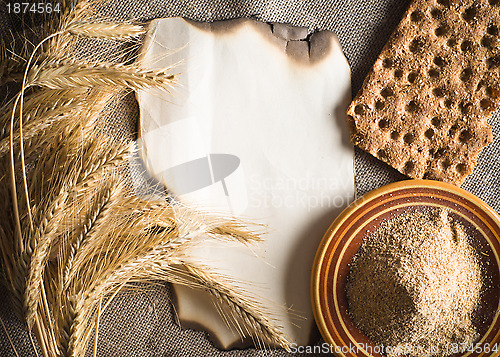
(414, 285)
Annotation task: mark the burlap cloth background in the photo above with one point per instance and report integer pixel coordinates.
(143, 324)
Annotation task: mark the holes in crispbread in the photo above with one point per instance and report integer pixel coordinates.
(466, 46)
(442, 31)
(357, 138)
(382, 154)
(465, 136)
(436, 13)
(359, 109)
(409, 138)
(487, 104)
(351, 124)
(446, 163)
(461, 168)
(452, 42)
(439, 153)
(412, 77)
(429, 175)
(437, 122)
(494, 2)
(429, 133)
(383, 124)
(466, 107)
(470, 13)
(379, 105)
(387, 92)
(387, 63)
(480, 85)
(395, 135)
(416, 16)
(439, 92)
(434, 73)
(409, 166)
(444, 2)
(492, 30)
(412, 106)
(398, 73)
(439, 61)
(466, 74)
(488, 42)
(417, 45)
(453, 130)
(492, 92)
(493, 62)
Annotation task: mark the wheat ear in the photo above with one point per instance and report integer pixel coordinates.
(104, 157)
(97, 216)
(63, 144)
(38, 246)
(67, 75)
(35, 128)
(192, 222)
(41, 105)
(247, 317)
(69, 304)
(105, 30)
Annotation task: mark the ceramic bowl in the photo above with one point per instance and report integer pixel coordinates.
(345, 236)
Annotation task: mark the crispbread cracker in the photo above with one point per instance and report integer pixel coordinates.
(423, 108)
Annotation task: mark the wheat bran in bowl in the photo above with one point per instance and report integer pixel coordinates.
(449, 212)
(415, 284)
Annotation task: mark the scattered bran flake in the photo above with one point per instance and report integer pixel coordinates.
(415, 284)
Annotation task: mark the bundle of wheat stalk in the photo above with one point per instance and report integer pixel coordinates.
(72, 232)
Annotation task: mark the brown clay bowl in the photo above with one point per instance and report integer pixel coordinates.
(345, 235)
